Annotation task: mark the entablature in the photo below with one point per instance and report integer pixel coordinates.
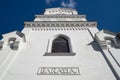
(60, 16)
(60, 24)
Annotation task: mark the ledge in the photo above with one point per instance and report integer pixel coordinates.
(60, 54)
(60, 16)
(60, 24)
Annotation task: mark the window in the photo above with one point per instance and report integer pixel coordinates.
(118, 35)
(60, 45)
(1, 44)
(11, 41)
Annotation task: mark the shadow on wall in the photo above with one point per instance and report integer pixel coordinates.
(95, 46)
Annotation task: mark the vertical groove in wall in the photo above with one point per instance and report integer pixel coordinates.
(91, 34)
(114, 58)
(107, 60)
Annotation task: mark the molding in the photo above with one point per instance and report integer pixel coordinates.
(60, 16)
(60, 24)
(104, 35)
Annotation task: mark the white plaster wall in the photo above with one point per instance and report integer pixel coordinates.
(30, 57)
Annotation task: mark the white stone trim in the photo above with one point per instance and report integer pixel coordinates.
(60, 24)
(104, 35)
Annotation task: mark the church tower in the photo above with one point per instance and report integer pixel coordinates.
(60, 45)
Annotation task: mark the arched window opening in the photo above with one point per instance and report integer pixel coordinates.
(11, 41)
(113, 42)
(60, 45)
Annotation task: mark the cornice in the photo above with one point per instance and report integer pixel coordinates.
(60, 24)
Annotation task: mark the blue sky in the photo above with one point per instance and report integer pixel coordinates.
(13, 13)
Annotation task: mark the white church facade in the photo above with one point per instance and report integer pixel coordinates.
(60, 45)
